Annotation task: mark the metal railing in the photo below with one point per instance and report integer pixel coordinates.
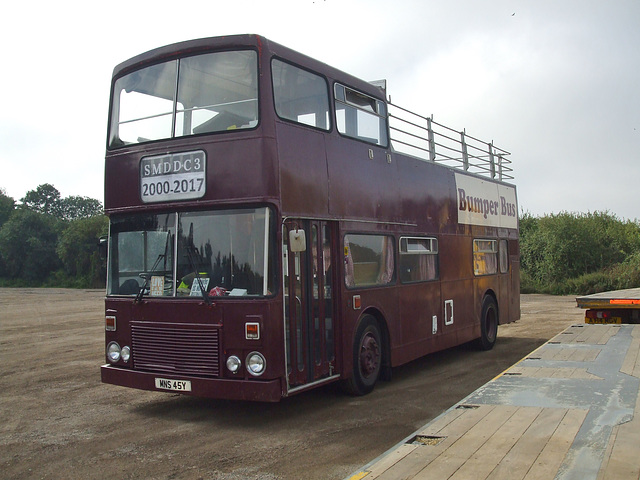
(426, 139)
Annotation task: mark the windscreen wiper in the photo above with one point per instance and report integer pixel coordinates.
(197, 278)
(146, 277)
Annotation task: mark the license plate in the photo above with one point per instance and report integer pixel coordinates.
(604, 321)
(173, 385)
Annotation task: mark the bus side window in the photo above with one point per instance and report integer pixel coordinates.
(504, 256)
(418, 259)
(369, 260)
(485, 257)
(299, 95)
(360, 116)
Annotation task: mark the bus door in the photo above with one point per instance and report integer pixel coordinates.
(309, 321)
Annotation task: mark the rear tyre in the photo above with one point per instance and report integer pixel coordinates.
(488, 324)
(367, 358)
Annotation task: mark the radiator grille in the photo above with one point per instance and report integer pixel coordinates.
(176, 349)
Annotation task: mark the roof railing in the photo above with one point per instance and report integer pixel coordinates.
(424, 138)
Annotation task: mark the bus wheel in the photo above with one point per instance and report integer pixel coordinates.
(367, 357)
(488, 324)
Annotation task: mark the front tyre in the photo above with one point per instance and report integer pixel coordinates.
(367, 357)
(488, 324)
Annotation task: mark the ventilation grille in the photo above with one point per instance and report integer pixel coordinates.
(176, 349)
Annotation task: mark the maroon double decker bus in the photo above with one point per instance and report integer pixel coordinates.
(277, 224)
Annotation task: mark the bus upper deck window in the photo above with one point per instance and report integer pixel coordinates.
(216, 92)
(300, 96)
(360, 116)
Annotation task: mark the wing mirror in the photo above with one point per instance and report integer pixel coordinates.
(297, 240)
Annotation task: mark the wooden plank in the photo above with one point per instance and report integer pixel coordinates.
(568, 336)
(636, 368)
(547, 354)
(623, 462)
(460, 451)
(630, 363)
(389, 460)
(550, 459)
(379, 469)
(548, 372)
(569, 354)
(582, 373)
(607, 453)
(587, 334)
(562, 372)
(610, 332)
(489, 455)
(471, 415)
(592, 354)
(517, 463)
(422, 456)
(596, 334)
(563, 354)
(584, 354)
(438, 425)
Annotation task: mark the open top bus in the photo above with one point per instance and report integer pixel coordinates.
(277, 224)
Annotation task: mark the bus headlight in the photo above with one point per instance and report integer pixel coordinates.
(113, 352)
(256, 364)
(125, 354)
(233, 364)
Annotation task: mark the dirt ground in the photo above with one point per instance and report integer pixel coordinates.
(58, 421)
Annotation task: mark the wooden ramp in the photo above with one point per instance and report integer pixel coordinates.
(569, 410)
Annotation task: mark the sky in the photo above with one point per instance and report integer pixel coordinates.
(554, 82)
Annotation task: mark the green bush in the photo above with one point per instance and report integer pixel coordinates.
(578, 253)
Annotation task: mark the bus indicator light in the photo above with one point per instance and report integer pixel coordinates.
(357, 304)
(110, 324)
(252, 331)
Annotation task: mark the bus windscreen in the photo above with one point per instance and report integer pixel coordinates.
(220, 253)
(207, 93)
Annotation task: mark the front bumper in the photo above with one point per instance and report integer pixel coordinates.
(260, 391)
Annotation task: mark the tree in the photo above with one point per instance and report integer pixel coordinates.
(78, 249)
(44, 199)
(76, 207)
(28, 245)
(7, 206)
